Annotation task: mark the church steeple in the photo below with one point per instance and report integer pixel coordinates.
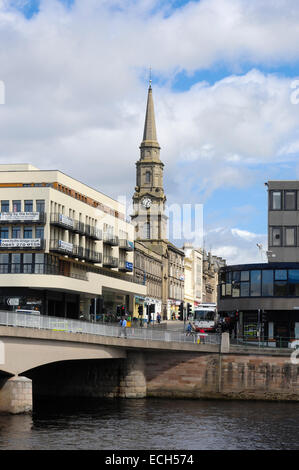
(149, 147)
(150, 133)
(149, 198)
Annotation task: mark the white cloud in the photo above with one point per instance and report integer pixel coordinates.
(76, 92)
(236, 246)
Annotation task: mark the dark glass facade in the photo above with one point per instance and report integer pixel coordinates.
(261, 301)
(260, 281)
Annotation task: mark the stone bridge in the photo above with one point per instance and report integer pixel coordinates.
(43, 364)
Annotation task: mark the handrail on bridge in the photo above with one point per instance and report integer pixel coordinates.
(42, 322)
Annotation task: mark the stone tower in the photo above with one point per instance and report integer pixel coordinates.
(149, 198)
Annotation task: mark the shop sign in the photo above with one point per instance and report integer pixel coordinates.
(13, 301)
(129, 266)
(20, 242)
(65, 246)
(15, 216)
(66, 220)
(131, 244)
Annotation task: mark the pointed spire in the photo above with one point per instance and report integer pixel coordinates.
(149, 133)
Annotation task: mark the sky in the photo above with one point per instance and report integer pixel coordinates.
(225, 79)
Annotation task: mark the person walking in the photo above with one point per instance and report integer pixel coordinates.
(158, 318)
(123, 327)
(189, 329)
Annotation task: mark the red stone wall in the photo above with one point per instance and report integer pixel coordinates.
(189, 375)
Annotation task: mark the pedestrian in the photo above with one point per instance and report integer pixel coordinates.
(189, 329)
(158, 318)
(123, 327)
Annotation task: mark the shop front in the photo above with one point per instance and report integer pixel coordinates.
(46, 302)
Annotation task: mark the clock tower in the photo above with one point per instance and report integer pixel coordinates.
(149, 198)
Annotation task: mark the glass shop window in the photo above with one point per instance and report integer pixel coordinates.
(293, 282)
(267, 282)
(244, 275)
(244, 289)
(255, 283)
(281, 275)
(280, 288)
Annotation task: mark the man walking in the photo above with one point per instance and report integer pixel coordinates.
(123, 327)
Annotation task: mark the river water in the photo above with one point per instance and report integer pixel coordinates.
(151, 424)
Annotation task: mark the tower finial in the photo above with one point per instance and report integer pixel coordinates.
(150, 77)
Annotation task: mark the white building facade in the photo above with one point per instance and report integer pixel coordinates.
(66, 249)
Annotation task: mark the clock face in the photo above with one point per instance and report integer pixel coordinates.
(146, 202)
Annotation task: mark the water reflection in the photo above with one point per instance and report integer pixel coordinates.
(154, 424)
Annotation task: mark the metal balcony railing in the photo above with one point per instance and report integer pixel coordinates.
(93, 256)
(79, 227)
(110, 261)
(126, 245)
(110, 239)
(93, 232)
(78, 252)
(62, 220)
(60, 246)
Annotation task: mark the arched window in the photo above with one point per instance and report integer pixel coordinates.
(148, 176)
(147, 230)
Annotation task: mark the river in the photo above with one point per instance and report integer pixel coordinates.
(149, 424)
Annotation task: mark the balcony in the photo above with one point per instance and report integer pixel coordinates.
(93, 256)
(79, 227)
(60, 246)
(125, 266)
(110, 262)
(22, 217)
(78, 252)
(61, 220)
(126, 245)
(110, 239)
(93, 232)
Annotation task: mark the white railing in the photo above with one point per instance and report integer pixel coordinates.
(41, 322)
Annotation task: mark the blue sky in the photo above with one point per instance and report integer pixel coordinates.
(76, 78)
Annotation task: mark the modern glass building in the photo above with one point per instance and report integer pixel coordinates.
(263, 298)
